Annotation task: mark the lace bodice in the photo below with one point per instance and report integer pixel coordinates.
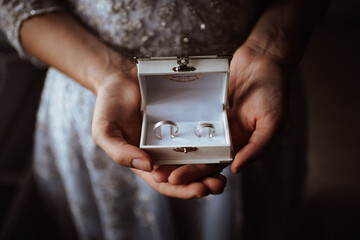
(149, 27)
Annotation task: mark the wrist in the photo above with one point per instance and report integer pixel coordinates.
(112, 68)
(277, 47)
(281, 32)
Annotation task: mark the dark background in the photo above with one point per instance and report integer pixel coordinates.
(331, 206)
(330, 69)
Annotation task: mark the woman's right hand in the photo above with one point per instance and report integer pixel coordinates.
(117, 120)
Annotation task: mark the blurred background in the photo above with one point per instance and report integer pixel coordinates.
(330, 69)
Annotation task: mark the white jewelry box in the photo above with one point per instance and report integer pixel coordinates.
(187, 91)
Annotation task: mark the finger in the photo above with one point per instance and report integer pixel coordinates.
(128, 155)
(188, 191)
(216, 184)
(255, 148)
(121, 152)
(240, 132)
(162, 173)
(193, 172)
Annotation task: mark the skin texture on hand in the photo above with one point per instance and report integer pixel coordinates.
(199, 188)
(258, 102)
(117, 120)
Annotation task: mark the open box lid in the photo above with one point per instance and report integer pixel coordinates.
(183, 84)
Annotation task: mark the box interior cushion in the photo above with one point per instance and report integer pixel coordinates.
(187, 104)
(197, 100)
(186, 136)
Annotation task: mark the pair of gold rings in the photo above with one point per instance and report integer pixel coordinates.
(174, 129)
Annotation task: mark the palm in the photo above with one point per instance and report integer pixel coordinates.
(257, 104)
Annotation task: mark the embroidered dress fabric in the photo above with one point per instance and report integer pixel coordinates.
(107, 201)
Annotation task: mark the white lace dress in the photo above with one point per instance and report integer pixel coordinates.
(105, 201)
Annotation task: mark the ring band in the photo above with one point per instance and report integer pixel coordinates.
(172, 124)
(205, 125)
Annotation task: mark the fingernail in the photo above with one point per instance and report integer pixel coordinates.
(141, 164)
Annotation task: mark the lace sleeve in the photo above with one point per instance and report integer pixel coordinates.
(14, 12)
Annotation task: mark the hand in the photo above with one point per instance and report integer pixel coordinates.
(186, 188)
(117, 119)
(258, 98)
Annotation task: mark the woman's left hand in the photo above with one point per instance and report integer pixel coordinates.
(257, 97)
(258, 102)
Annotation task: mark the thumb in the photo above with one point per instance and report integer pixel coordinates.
(121, 152)
(255, 148)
